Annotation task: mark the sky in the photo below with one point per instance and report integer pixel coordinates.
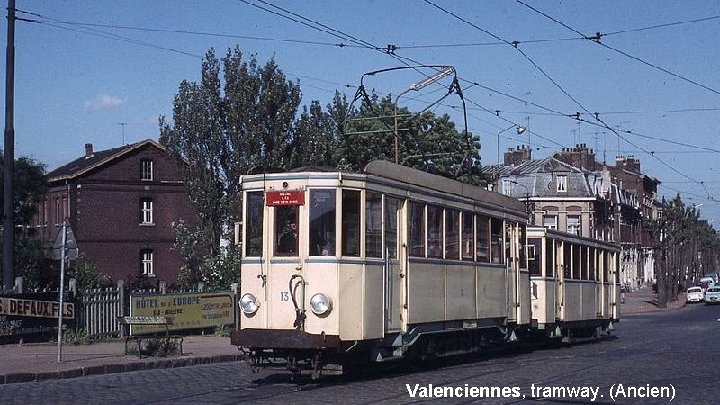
(103, 72)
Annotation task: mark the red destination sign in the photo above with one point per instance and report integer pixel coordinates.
(282, 198)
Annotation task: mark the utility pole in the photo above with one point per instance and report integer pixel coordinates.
(9, 149)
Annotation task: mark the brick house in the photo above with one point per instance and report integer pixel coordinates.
(121, 203)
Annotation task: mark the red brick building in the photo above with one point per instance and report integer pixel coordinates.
(121, 203)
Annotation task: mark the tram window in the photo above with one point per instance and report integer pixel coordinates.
(523, 246)
(606, 267)
(417, 229)
(576, 265)
(435, 231)
(287, 230)
(467, 236)
(452, 234)
(593, 260)
(534, 256)
(254, 224)
(549, 258)
(483, 239)
(584, 265)
(350, 223)
(373, 224)
(567, 260)
(496, 240)
(392, 207)
(322, 223)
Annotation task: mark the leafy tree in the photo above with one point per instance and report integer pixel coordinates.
(30, 187)
(237, 119)
(425, 141)
(678, 236)
(87, 275)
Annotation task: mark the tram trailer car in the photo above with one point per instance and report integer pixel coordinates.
(573, 284)
(393, 263)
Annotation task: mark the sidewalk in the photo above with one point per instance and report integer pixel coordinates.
(38, 361)
(644, 300)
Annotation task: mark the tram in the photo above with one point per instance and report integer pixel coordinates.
(573, 284)
(388, 264)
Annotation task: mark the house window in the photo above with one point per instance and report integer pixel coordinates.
(573, 224)
(550, 221)
(146, 257)
(562, 184)
(146, 170)
(146, 211)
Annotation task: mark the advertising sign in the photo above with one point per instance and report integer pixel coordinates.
(184, 310)
(32, 313)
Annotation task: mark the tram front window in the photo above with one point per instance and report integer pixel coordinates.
(286, 231)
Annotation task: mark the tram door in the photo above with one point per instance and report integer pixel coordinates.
(395, 260)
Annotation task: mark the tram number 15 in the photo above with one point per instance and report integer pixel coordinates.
(284, 296)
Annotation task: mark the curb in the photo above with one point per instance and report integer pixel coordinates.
(14, 378)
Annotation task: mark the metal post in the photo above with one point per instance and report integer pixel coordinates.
(8, 189)
(62, 284)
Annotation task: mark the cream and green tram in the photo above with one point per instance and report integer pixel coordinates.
(573, 284)
(387, 264)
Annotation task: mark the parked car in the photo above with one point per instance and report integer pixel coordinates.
(695, 294)
(710, 281)
(712, 295)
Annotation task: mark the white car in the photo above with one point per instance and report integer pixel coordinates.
(695, 294)
(712, 295)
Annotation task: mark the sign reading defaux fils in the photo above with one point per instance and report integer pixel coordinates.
(184, 311)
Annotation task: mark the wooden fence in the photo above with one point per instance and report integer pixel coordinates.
(97, 310)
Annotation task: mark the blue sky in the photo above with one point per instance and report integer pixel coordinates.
(85, 67)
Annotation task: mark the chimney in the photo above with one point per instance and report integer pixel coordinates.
(88, 150)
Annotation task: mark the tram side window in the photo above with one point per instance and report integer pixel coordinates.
(254, 224)
(392, 207)
(483, 239)
(287, 230)
(435, 231)
(549, 258)
(593, 261)
(496, 240)
(467, 236)
(606, 267)
(350, 223)
(322, 222)
(584, 265)
(417, 229)
(576, 265)
(523, 245)
(534, 256)
(373, 224)
(452, 234)
(567, 260)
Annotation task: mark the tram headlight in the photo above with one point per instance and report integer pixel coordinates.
(248, 304)
(320, 304)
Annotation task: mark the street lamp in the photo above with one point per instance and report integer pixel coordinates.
(518, 128)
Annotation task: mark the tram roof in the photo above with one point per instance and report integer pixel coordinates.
(385, 169)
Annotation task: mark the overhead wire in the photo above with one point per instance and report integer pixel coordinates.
(597, 39)
(363, 44)
(555, 83)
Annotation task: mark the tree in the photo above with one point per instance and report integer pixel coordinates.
(425, 141)
(30, 187)
(237, 119)
(678, 237)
